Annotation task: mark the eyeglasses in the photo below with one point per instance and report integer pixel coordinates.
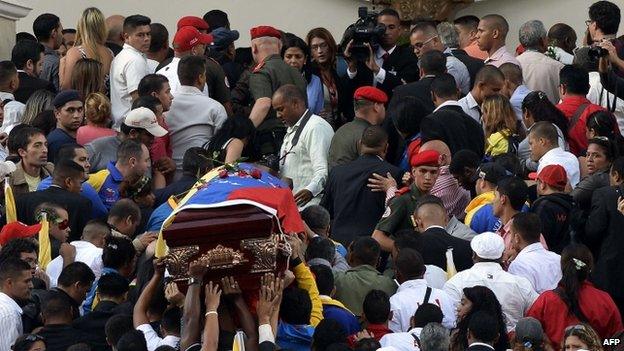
(420, 45)
(321, 46)
(62, 225)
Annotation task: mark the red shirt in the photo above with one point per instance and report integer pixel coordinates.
(576, 134)
(378, 330)
(599, 308)
(161, 147)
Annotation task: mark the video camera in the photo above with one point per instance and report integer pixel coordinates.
(364, 30)
(596, 52)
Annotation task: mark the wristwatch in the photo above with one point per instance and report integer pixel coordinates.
(193, 280)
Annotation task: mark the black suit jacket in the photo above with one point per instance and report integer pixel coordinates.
(401, 67)
(479, 348)
(355, 209)
(454, 127)
(433, 243)
(78, 208)
(473, 64)
(93, 324)
(28, 85)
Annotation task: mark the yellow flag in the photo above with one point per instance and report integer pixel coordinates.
(45, 251)
(161, 246)
(9, 201)
(450, 264)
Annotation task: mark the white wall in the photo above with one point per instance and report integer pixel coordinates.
(571, 12)
(297, 16)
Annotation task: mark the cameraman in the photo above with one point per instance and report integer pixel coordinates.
(602, 26)
(389, 65)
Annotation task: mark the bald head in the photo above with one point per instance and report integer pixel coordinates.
(263, 47)
(114, 26)
(496, 22)
(430, 211)
(441, 148)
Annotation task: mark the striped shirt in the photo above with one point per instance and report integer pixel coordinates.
(10, 321)
(453, 196)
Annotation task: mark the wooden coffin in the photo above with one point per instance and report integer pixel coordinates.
(239, 241)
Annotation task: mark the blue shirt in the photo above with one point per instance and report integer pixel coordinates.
(485, 221)
(346, 319)
(316, 99)
(106, 183)
(98, 209)
(158, 217)
(516, 99)
(56, 139)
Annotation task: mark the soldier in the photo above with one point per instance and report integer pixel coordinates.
(270, 74)
(425, 168)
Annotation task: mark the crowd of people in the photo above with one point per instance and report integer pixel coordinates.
(457, 194)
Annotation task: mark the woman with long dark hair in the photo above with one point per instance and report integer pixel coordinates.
(227, 145)
(337, 96)
(601, 152)
(475, 299)
(576, 300)
(296, 53)
(406, 116)
(536, 108)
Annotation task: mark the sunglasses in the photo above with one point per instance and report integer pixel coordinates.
(62, 225)
(420, 45)
(574, 327)
(34, 337)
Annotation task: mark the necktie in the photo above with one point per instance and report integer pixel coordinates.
(385, 56)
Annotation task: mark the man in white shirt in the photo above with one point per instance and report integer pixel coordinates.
(187, 41)
(489, 81)
(88, 251)
(514, 293)
(539, 71)
(425, 38)
(405, 341)
(13, 109)
(129, 66)
(541, 267)
(15, 285)
(414, 291)
(303, 155)
(193, 117)
(544, 145)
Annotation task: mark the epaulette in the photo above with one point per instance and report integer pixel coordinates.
(258, 67)
(402, 191)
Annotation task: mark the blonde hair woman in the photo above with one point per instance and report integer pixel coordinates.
(90, 43)
(500, 124)
(98, 116)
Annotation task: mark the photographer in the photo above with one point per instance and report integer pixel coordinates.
(602, 26)
(387, 65)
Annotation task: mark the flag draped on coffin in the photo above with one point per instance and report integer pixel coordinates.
(247, 185)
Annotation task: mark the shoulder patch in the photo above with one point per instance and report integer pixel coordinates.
(258, 67)
(402, 191)
(387, 213)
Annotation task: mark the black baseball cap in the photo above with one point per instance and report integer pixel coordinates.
(491, 172)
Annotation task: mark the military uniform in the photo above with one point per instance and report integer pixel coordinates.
(343, 148)
(398, 215)
(265, 79)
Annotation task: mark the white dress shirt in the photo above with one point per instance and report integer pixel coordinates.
(306, 163)
(541, 267)
(13, 112)
(10, 321)
(401, 341)
(471, 107)
(193, 119)
(567, 160)
(153, 341)
(540, 72)
(514, 293)
(458, 70)
(409, 296)
(86, 252)
(127, 70)
(171, 72)
(152, 65)
(600, 96)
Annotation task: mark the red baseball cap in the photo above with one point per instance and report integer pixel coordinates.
(371, 94)
(15, 230)
(188, 37)
(265, 31)
(426, 158)
(554, 175)
(193, 21)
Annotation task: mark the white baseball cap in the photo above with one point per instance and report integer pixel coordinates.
(489, 246)
(144, 118)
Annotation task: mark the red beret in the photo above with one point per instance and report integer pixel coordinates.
(425, 158)
(371, 94)
(193, 21)
(554, 175)
(265, 31)
(15, 230)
